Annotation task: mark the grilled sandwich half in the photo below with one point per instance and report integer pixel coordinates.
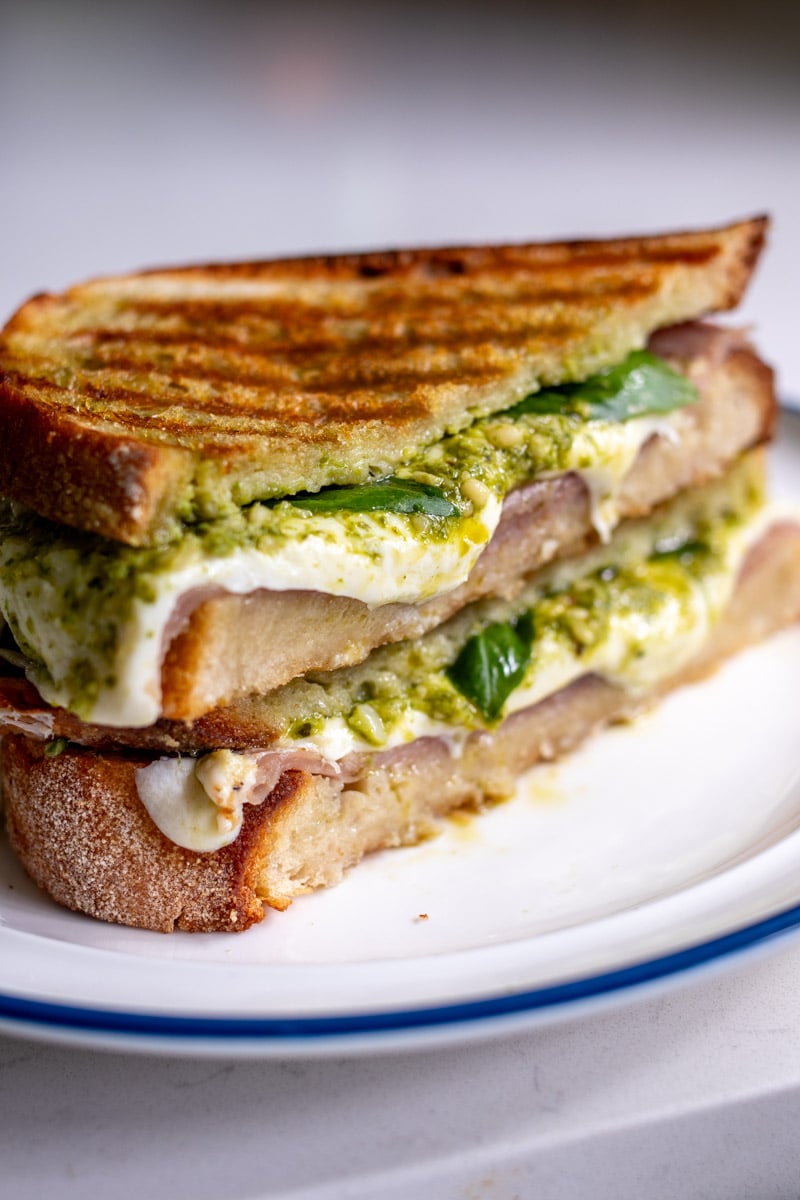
(298, 556)
(316, 457)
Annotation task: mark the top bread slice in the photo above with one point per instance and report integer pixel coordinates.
(130, 404)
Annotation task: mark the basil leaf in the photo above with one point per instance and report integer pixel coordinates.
(552, 402)
(385, 495)
(492, 663)
(642, 384)
(686, 553)
(55, 747)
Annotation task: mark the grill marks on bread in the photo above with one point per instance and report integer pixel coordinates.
(294, 374)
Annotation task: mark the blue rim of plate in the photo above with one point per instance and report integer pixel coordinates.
(276, 1029)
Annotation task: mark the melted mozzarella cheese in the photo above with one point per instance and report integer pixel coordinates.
(181, 807)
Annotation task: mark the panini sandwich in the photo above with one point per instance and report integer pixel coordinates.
(296, 557)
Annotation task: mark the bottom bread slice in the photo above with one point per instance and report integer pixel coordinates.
(76, 822)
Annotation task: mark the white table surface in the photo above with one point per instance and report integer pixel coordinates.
(694, 1095)
(178, 132)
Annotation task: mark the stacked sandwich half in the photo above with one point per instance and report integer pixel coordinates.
(298, 556)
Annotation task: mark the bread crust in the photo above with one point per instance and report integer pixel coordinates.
(81, 836)
(97, 485)
(77, 825)
(133, 401)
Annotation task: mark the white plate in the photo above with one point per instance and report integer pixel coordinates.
(657, 850)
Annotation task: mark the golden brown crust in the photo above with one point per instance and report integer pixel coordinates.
(131, 399)
(79, 829)
(83, 835)
(435, 263)
(95, 485)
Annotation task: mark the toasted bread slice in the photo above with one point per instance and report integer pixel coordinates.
(80, 830)
(133, 402)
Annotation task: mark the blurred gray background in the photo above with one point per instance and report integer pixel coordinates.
(135, 135)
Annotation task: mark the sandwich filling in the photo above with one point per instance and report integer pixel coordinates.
(93, 617)
(633, 612)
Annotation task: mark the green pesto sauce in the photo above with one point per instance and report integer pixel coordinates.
(398, 680)
(685, 549)
(62, 588)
